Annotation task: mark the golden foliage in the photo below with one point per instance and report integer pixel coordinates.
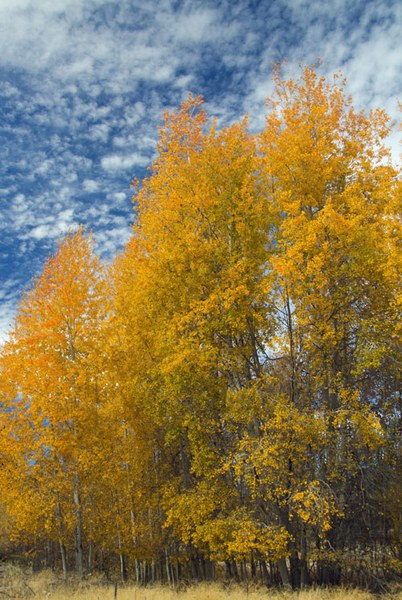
(229, 387)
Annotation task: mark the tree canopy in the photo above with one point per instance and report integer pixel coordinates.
(227, 392)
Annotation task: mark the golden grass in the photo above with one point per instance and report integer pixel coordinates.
(202, 592)
(45, 586)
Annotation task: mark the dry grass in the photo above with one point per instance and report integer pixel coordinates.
(206, 592)
(45, 586)
(213, 592)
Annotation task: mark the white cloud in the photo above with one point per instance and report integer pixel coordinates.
(196, 26)
(119, 197)
(120, 162)
(90, 186)
(184, 81)
(7, 315)
(108, 240)
(54, 228)
(99, 132)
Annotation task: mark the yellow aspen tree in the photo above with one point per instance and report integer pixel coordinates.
(53, 394)
(334, 279)
(197, 303)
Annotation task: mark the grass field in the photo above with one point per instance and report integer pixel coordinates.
(208, 592)
(202, 592)
(16, 584)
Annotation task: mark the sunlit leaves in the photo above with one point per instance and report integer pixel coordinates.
(230, 386)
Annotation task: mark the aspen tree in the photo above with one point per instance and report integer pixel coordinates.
(53, 394)
(335, 274)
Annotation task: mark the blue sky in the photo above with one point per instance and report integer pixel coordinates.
(84, 84)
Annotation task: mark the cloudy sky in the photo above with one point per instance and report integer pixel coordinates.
(84, 84)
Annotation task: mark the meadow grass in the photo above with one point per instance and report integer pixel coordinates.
(45, 586)
(204, 592)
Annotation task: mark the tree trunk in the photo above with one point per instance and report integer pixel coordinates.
(90, 556)
(303, 560)
(63, 559)
(295, 569)
(61, 543)
(167, 567)
(79, 559)
(284, 573)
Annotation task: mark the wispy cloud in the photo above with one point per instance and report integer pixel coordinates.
(121, 162)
